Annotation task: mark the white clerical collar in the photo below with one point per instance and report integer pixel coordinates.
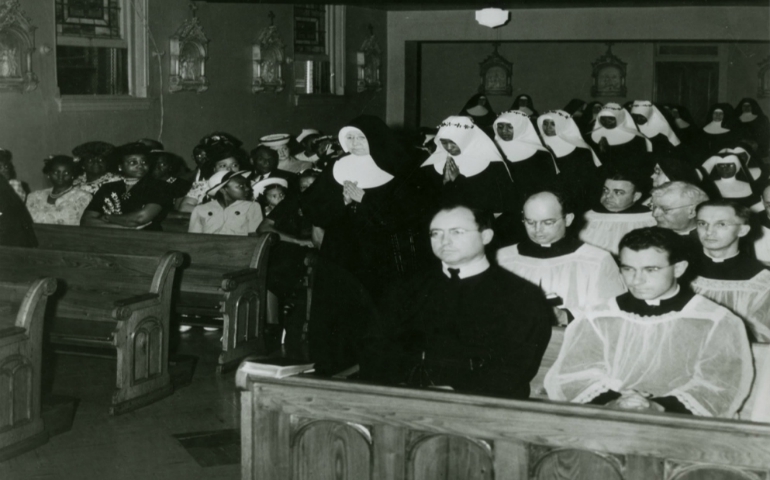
(720, 260)
(468, 270)
(656, 302)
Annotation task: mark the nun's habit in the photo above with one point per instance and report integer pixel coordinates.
(745, 157)
(576, 161)
(368, 244)
(682, 123)
(753, 124)
(531, 164)
(719, 132)
(16, 227)
(523, 103)
(587, 121)
(669, 168)
(479, 109)
(484, 181)
(621, 143)
(654, 126)
(734, 184)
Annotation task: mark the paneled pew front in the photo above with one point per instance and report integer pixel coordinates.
(223, 275)
(120, 303)
(22, 312)
(309, 428)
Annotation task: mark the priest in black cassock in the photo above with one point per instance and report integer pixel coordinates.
(464, 323)
(674, 207)
(727, 274)
(658, 347)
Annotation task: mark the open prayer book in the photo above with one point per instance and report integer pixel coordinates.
(276, 367)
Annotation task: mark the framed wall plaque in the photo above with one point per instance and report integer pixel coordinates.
(609, 75)
(496, 73)
(17, 42)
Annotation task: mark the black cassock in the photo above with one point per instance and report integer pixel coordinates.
(482, 334)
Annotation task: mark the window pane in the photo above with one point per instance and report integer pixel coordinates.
(92, 70)
(88, 18)
(309, 29)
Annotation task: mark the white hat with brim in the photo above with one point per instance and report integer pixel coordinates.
(306, 133)
(260, 186)
(275, 140)
(220, 179)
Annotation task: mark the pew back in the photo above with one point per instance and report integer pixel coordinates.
(308, 428)
(202, 249)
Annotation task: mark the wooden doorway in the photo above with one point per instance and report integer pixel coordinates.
(695, 85)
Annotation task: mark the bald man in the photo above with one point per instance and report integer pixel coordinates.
(572, 274)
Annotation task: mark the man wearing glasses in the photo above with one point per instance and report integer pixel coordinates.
(463, 324)
(728, 275)
(658, 347)
(573, 275)
(673, 207)
(619, 212)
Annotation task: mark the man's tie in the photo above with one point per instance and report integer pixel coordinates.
(454, 273)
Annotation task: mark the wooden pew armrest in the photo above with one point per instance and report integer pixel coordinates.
(231, 280)
(125, 306)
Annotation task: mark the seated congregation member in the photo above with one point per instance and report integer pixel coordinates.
(683, 124)
(467, 167)
(8, 171)
(63, 203)
(463, 324)
(671, 168)
(524, 104)
(94, 158)
(265, 161)
(674, 206)
(753, 124)
(220, 156)
(576, 108)
(307, 178)
(573, 275)
(619, 212)
(480, 111)
(531, 164)
(576, 161)
(658, 347)
(138, 201)
(305, 140)
(587, 121)
(762, 243)
(16, 226)
(231, 210)
(654, 126)
(744, 153)
(616, 138)
(728, 274)
(286, 162)
(729, 176)
(168, 168)
(719, 131)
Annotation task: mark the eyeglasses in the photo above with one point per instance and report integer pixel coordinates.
(546, 223)
(717, 226)
(453, 233)
(625, 269)
(666, 210)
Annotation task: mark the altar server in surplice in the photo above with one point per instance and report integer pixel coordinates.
(658, 347)
(620, 210)
(467, 167)
(573, 275)
(531, 164)
(726, 273)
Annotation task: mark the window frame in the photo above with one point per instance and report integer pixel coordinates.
(336, 55)
(136, 40)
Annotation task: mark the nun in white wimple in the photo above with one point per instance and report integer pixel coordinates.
(654, 126)
(575, 159)
(719, 132)
(745, 157)
(753, 124)
(467, 167)
(615, 137)
(531, 164)
(733, 182)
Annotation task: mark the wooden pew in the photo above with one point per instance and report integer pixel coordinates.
(22, 311)
(176, 222)
(116, 302)
(223, 276)
(309, 428)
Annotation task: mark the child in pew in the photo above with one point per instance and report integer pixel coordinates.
(230, 212)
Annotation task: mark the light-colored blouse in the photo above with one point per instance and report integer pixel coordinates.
(66, 210)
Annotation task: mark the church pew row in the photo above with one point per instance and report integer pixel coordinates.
(309, 428)
(176, 222)
(22, 312)
(223, 276)
(118, 303)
